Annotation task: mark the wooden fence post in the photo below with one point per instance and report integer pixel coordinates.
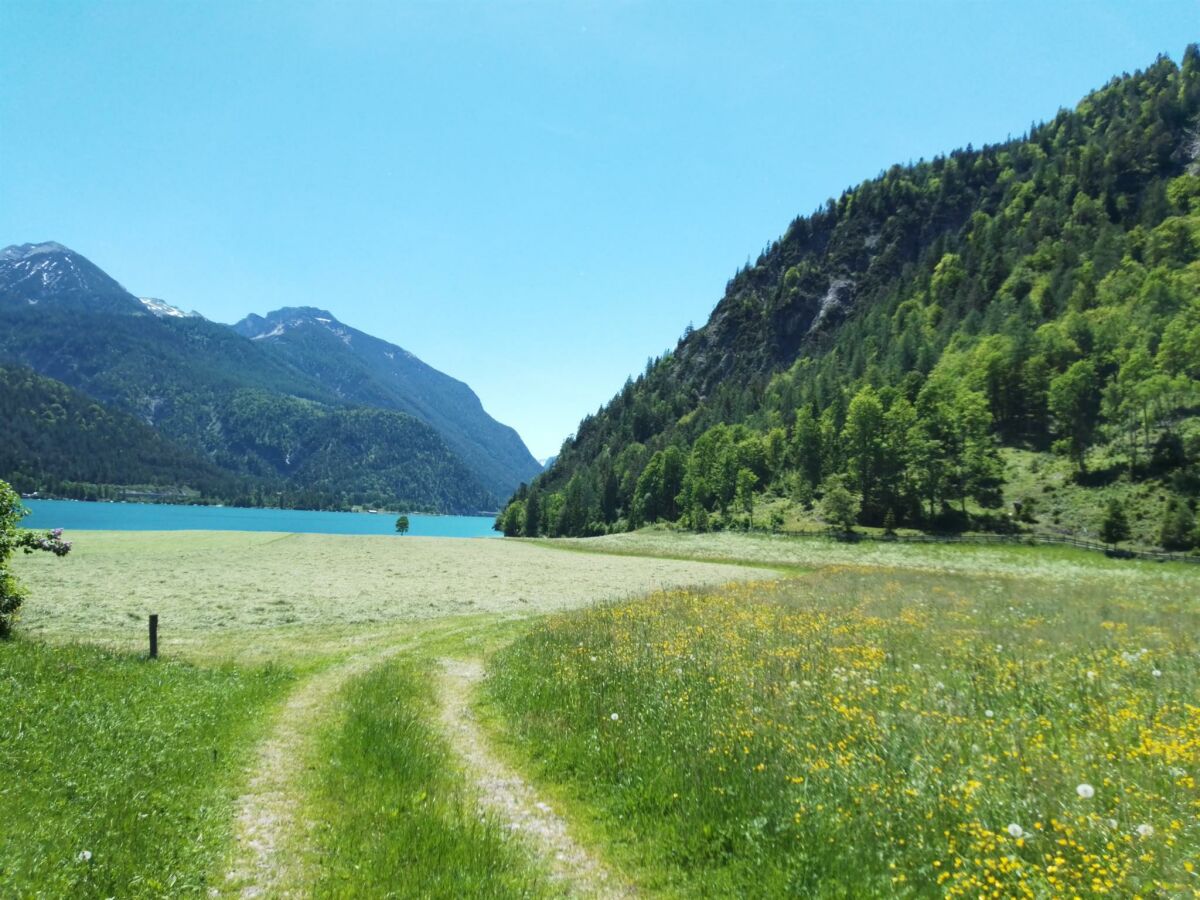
(154, 635)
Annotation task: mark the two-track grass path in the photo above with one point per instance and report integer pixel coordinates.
(271, 831)
(273, 839)
(572, 867)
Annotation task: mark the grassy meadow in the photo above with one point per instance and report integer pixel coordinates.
(784, 552)
(877, 733)
(713, 715)
(119, 774)
(255, 596)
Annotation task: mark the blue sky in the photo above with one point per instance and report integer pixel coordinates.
(532, 197)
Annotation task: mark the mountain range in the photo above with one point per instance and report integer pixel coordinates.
(294, 407)
(996, 338)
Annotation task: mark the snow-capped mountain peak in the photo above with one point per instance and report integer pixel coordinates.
(165, 310)
(49, 273)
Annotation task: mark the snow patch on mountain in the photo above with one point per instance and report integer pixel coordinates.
(165, 310)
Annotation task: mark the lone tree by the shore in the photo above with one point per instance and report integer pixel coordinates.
(402, 525)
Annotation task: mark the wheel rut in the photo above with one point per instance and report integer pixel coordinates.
(271, 833)
(572, 867)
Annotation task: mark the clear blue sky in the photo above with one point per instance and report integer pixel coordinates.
(532, 197)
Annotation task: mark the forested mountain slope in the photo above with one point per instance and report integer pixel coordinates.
(61, 441)
(1041, 294)
(367, 371)
(218, 395)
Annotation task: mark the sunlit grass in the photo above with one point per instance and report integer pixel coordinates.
(866, 733)
(255, 595)
(396, 817)
(118, 772)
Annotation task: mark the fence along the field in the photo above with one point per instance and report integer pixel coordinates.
(1107, 550)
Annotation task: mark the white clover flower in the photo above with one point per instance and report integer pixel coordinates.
(1145, 830)
(916, 667)
(1091, 676)
(989, 714)
(84, 856)
(1016, 830)
(1157, 673)
(614, 717)
(1086, 791)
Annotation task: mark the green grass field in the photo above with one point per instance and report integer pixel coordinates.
(791, 716)
(261, 596)
(118, 773)
(396, 818)
(865, 733)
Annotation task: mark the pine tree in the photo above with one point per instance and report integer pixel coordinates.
(1115, 527)
(533, 514)
(1179, 526)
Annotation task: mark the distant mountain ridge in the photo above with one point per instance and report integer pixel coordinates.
(239, 403)
(50, 273)
(366, 370)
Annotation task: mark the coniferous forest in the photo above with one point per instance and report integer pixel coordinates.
(906, 353)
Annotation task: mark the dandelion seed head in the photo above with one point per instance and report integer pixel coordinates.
(1145, 830)
(1086, 791)
(1016, 830)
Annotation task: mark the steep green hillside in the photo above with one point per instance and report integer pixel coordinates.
(1041, 294)
(365, 370)
(59, 440)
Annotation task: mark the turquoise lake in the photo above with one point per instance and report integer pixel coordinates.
(81, 516)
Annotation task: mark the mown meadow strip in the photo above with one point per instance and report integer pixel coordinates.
(864, 733)
(118, 772)
(395, 818)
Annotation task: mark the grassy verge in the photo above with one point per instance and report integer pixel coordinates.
(396, 818)
(799, 553)
(118, 773)
(877, 733)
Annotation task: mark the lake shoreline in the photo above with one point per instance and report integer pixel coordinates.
(132, 516)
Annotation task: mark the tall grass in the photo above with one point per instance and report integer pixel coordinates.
(116, 774)
(865, 733)
(396, 820)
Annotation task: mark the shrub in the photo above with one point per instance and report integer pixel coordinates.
(13, 538)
